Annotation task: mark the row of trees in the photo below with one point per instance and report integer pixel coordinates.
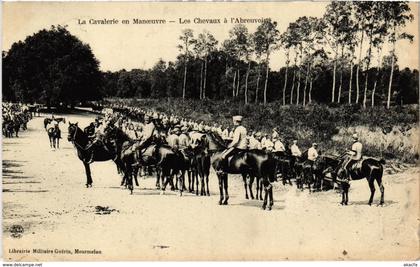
(321, 65)
(313, 43)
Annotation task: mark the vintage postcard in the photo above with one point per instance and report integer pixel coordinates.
(215, 131)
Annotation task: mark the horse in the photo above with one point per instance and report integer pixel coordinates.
(369, 168)
(49, 120)
(284, 166)
(96, 153)
(323, 165)
(53, 136)
(8, 128)
(156, 154)
(200, 168)
(255, 163)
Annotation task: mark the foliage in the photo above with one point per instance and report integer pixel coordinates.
(50, 67)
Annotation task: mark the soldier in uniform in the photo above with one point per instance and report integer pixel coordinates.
(240, 141)
(354, 155)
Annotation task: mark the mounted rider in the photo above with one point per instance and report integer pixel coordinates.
(54, 125)
(99, 136)
(312, 154)
(353, 156)
(239, 142)
(295, 151)
(148, 132)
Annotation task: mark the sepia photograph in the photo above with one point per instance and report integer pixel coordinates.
(210, 131)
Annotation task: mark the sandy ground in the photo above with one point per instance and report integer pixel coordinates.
(43, 191)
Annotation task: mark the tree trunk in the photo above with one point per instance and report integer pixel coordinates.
(201, 80)
(333, 82)
(246, 83)
(293, 86)
(367, 70)
(258, 84)
(285, 85)
(298, 88)
(233, 84)
(306, 84)
(238, 83)
(351, 79)
(310, 91)
(341, 75)
(358, 68)
(185, 80)
(266, 79)
(377, 75)
(388, 101)
(205, 78)
(299, 75)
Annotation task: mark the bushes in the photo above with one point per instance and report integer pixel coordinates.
(385, 133)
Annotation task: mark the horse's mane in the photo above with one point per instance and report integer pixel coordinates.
(216, 138)
(120, 134)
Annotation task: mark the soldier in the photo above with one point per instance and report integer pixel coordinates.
(173, 139)
(239, 141)
(278, 145)
(313, 153)
(354, 155)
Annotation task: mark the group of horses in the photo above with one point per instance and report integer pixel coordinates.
(195, 162)
(12, 124)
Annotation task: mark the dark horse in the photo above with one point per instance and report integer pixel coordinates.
(157, 154)
(369, 168)
(88, 156)
(53, 135)
(253, 163)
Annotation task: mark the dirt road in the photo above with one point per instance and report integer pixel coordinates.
(43, 191)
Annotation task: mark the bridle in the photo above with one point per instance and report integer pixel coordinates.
(73, 140)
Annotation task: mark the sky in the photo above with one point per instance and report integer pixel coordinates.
(131, 46)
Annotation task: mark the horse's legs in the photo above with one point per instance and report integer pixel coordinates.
(260, 181)
(347, 194)
(189, 180)
(258, 196)
(129, 175)
(181, 182)
(265, 195)
(372, 189)
(207, 184)
(88, 175)
(135, 171)
(197, 177)
(270, 191)
(219, 176)
(245, 186)
(203, 186)
(157, 178)
(382, 189)
(225, 180)
(251, 182)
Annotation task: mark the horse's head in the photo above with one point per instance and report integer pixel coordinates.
(215, 142)
(72, 130)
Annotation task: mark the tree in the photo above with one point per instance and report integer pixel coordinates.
(187, 39)
(336, 20)
(266, 37)
(397, 17)
(203, 46)
(241, 39)
(52, 67)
